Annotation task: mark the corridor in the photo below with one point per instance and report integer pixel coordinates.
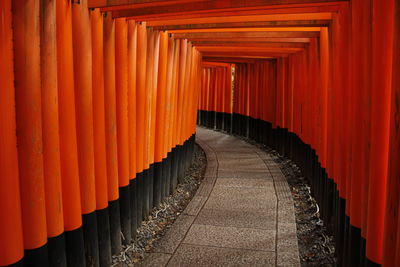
(100, 101)
(242, 214)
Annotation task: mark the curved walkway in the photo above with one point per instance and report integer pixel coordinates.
(242, 214)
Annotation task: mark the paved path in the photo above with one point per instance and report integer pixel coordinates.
(242, 214)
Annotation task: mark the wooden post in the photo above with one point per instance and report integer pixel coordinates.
(11, 242)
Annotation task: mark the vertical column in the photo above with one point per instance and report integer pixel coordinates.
(361, 89)
(132, 56)
(173, 140)
(153, 113)
(140, 111)
(111, 132)
(26, 26)
(168, 116)
(82, 49)
(159, 160)
(68, 143)
(148, 83)
(99, 137)
(185, 110)
(324, 50)
(51, 138)
(181, 93)
(11, 242)
(382, 60)
(394, 145)
(121, 73)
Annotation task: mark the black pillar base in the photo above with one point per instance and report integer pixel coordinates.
(103, 233)
(125, 214)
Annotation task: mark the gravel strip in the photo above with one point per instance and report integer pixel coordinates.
(162, 217)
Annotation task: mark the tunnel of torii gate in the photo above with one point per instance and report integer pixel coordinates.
(99, 101)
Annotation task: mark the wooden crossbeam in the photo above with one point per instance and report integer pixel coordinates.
(249, 44)
(238, 19)
(215, 8)
(165, 5)
(290, 23)
(234, 59)
(242, 35)
(252, 40)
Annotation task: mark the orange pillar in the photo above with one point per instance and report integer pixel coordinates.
(394, 145)
(382, 60)
(51, 138)
(82, 51)
(26, 27)
(111, 132)
(361, 85)
(11, 242)
(68, 143)
(99, 137)
(324, 50)
(132, 55)
(181, 93)
(140, 112)
(153, 114)
(187, 99)
(168, 117)
(148, 92)
(159, 156)
(121, 75)
(174, 116)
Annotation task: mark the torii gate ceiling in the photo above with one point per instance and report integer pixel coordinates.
(231, 30)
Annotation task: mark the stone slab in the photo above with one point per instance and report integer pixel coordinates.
(154, 260)
(242, 205)
(237, 218)
(174, 235)
(254, 174)
(231, 237)
(288, 259)
(191, 255)
(195, 205)
(243, 193)
(250, 182)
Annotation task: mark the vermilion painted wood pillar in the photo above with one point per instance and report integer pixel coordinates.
(98, 107)
(51, 144)
(140, 97)
(26, 25)
(11, 242)
(51, 138)
(382, 59)
(161, 98)
(394, 148)
(280, 83)
(68, 142)
(132, 127)
(121, 82)
(154, 88)
(148, 83)
(169, 97)
(99, 137)
(175, 91)
(82, 51)
(324, 50)
(141, 55)
(132, 74)
(361, 74)
(111, 131)
(186, 100)
(181, 88)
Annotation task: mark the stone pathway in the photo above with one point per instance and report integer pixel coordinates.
(242, 214)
